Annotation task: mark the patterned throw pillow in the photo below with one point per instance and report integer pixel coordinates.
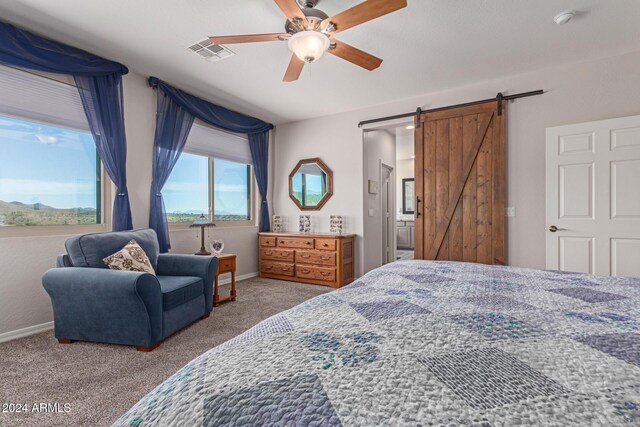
(130, 258)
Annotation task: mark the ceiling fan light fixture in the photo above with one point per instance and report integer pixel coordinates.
(308, 45)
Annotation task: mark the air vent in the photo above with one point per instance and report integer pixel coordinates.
(210, 51)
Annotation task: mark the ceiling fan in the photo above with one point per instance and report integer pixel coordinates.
(310, 31)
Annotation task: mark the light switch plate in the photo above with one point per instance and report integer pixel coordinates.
(510, 211)
(372, 212)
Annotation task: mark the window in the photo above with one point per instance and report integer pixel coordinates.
(212, 177)
(48, 175)
(50, 172)
(231, 191)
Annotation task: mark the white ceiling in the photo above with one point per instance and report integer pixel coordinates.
(429, 46)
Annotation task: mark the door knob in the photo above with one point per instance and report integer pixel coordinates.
(553, 229)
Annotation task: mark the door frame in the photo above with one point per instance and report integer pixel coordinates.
(392, 197)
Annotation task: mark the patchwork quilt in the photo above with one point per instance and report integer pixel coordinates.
(424, 343)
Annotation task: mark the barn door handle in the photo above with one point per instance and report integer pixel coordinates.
(418, 206)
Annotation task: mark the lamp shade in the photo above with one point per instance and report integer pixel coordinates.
(308, 45)
(202, 221)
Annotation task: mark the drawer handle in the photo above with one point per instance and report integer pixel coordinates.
(324, 273)
(326, 245)
(268, 253)
(285, 269)
(325, 258)
(305, 271)
(286, 254)
(308, 243)
(305, 256)
(268, 267)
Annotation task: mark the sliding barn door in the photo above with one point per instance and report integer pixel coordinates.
(460, 185)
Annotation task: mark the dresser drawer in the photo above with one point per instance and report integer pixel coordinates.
(316, 273)
(277, 254)
(295, 242)
(267, 241)
(279, 268)
(316, 257)
(326, 244)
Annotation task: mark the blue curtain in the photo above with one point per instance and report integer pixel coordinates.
(217, 116)
(259, 146)
(173, 124)
(99, 83)
(102, 101)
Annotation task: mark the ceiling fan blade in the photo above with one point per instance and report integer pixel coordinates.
(354, 55)
(293, 70)
(291, 10)
(366, 11)
(249, 38)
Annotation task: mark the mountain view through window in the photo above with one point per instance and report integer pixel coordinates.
(188, 190)
(49, 175)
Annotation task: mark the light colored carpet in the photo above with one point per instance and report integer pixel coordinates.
(100, 381)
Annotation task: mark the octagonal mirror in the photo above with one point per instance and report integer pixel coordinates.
(310, 184)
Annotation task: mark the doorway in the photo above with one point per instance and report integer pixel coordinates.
(387, 220)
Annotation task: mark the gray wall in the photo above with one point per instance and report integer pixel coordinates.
(579, 92)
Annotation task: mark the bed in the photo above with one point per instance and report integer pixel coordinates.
(424, 343)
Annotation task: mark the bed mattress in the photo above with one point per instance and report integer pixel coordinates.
(424, 343)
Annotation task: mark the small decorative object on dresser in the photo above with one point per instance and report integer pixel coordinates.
(336, 224)
(321, 259)
(278, 223)
(305, 224)
(226, 264)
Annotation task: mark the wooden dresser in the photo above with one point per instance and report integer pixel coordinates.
(321, 259)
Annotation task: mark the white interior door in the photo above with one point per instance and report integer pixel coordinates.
(593, 197)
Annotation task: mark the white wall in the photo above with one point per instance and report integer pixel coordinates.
(24, 302)
(579, 92)
(379, 146)
(318, 138)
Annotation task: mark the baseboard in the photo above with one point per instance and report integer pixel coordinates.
(25, 332)
(227, 280)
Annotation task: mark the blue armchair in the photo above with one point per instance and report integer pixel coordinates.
(93, 303)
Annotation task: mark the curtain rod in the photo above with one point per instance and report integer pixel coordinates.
(419, 111)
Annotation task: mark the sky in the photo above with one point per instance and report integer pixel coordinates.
(56, 166)
(46, 164)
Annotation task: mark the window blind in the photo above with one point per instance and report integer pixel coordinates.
(41, 99)
(205, 140)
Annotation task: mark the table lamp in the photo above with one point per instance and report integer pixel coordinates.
(202, 222)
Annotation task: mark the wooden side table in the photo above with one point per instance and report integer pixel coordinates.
(226, 264)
